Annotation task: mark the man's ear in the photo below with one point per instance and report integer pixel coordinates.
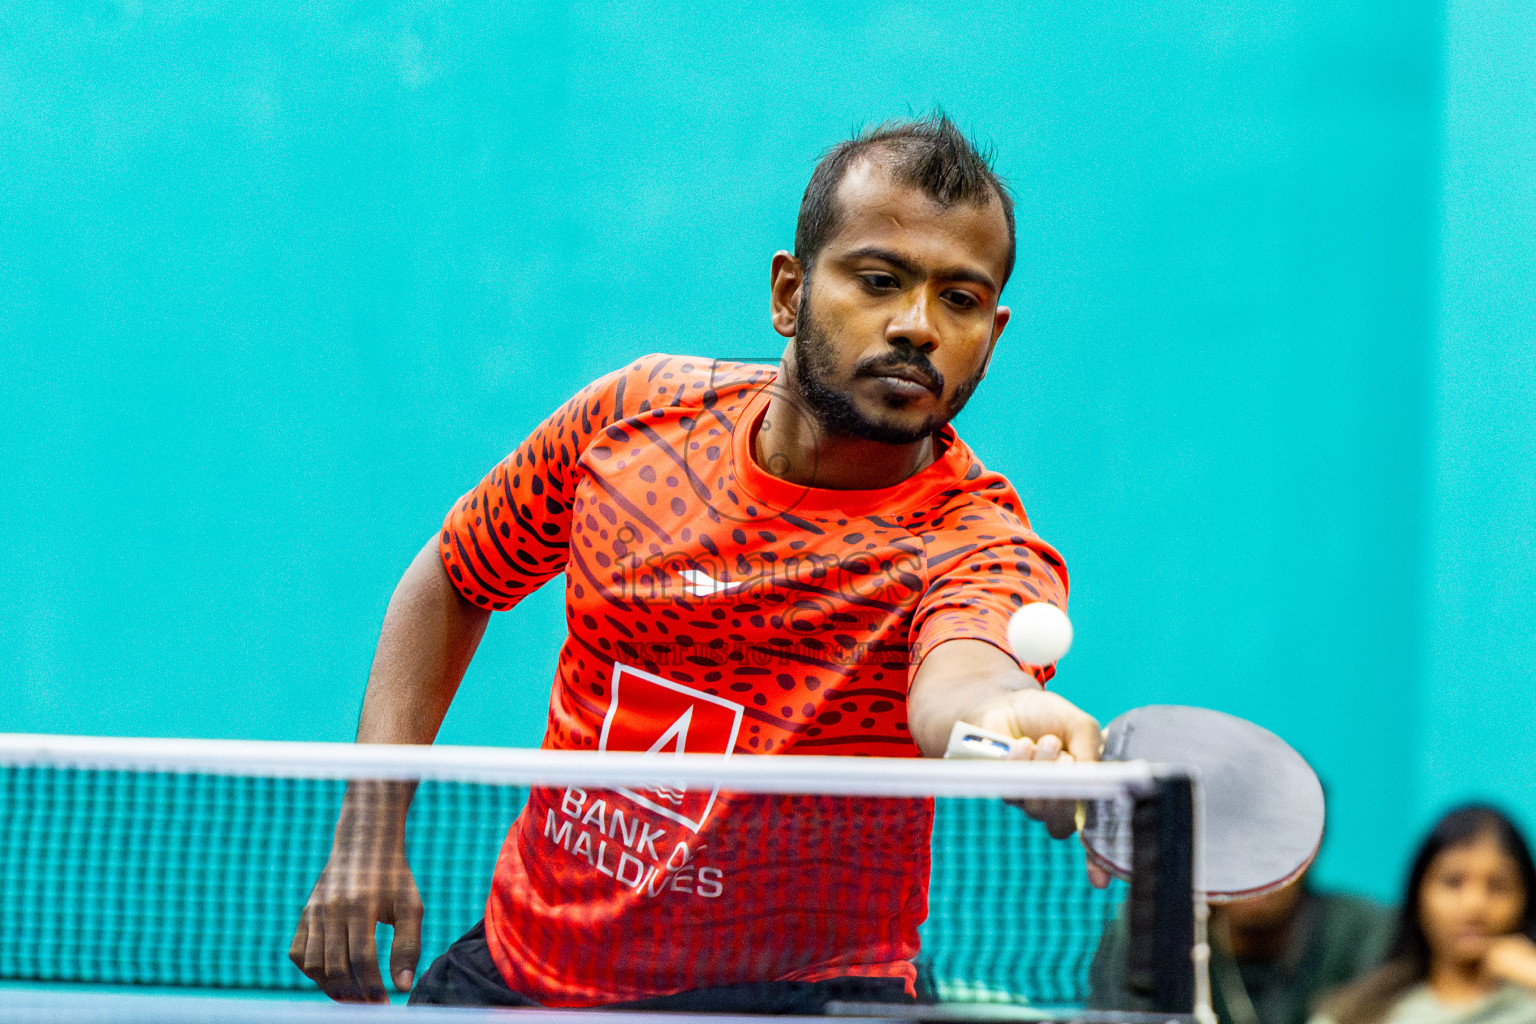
(999, 321)
(787, 278)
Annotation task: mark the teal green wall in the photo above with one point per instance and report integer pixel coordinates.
(1478, 686)
(282, 280)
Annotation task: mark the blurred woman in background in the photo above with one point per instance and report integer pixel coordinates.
(1465, 950)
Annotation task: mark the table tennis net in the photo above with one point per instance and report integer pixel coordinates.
(186, 863)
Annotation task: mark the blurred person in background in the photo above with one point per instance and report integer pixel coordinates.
(1464, 950)
(1272, 956)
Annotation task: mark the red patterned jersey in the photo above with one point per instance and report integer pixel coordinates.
(715, 608)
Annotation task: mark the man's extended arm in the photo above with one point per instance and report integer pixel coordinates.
(430, 633)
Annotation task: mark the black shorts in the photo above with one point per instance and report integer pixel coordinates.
(465, 975)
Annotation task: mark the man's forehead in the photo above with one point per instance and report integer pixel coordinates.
(872, 203)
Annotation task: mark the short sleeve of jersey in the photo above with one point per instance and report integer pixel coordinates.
(984, 563)
(511, 533)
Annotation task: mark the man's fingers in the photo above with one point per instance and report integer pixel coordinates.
(327, 951)
(313, 963)
(1047, 748)
(1084, 740)
(300, 940)
(1097, 876)
(363, 959)
(1023, 749)
(1058, 816)
(405, 950)
(1042, 716)
(1046, 727)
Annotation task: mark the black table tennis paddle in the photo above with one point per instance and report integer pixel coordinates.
(1259, 804)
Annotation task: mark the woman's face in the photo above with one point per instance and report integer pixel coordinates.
(1470, 895)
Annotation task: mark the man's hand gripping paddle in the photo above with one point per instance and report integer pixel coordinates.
(1260, 806)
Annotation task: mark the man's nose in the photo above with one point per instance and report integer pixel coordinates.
(914, 324)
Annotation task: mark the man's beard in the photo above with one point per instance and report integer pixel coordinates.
(834, 409)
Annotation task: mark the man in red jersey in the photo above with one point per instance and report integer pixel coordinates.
(774, 560)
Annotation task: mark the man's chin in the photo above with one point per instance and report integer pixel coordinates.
(885, 430)
(855, 413)
(904, 422)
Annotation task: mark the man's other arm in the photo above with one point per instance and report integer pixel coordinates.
(429, 636)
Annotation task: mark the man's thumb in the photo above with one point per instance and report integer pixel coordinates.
(405, 951)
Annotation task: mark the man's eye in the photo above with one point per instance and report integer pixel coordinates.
(879, 281)
(964, 300)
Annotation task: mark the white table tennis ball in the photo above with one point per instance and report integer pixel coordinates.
(1039, 633)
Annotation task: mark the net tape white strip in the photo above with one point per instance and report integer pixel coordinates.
(84, 1007)
(36, 1006)
(850, 776)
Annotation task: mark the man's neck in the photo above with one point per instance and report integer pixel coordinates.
(790, 447)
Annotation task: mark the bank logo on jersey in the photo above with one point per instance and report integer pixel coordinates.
(652, 715)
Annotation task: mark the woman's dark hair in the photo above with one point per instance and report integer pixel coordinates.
(1370, 999)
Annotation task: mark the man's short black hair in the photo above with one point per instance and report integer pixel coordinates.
(928, 153)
